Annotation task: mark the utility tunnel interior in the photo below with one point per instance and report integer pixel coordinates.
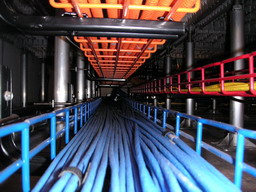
(153, 95)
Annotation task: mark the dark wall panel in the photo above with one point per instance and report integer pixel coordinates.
(11, 57)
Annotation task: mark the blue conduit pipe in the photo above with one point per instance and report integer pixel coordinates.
(120, 150)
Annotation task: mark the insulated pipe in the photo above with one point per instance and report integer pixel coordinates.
(61, 70)
(168, 71)
(43, 82)
(24, 78)
(80, 77)
(237, 48)
(189, 63)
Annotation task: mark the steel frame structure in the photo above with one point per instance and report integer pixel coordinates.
(222, 83)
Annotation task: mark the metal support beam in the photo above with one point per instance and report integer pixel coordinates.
(189, 65)
(237, 48)
(80, 77)
(24, 78)
(43, 82)
(61, 70)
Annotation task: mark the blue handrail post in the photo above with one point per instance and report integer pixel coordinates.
(75, 123)
(53, 136)
(199, 137)
(25, 159)
(177, 130)
(88, 110)
(239, 160)
(140, 107)
(164, 119)
(155, 114)
(85, 112)
(67, 126)
(81, 116)
(149, 109)
(144, 109)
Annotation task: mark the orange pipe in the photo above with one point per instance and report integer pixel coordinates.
(162, 3)
(134, 14)
(66, 8)
(147, 15)
(112, 13)
(122, 50)
(113, 40)
(145, 56)
(175, 6)
(187, 4)
(119, 65)
(85, 10)
(113, 61)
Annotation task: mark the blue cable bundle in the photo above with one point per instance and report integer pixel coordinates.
(118, 151)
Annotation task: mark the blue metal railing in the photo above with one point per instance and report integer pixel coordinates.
(238, 161)
(86, 110)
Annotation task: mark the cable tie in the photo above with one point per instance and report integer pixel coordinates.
(74, 171)
(168, 132)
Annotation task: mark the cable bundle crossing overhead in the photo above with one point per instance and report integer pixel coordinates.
(119, 150)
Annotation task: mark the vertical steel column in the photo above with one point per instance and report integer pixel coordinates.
(42, 82)
(61, 70)
(237, 48)
(168, 71)
(96, 89)
(80, 77)
(155, 101)
(189, 63)
(214, 104)
(88, 83)
(24, 78)
(93, 87)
